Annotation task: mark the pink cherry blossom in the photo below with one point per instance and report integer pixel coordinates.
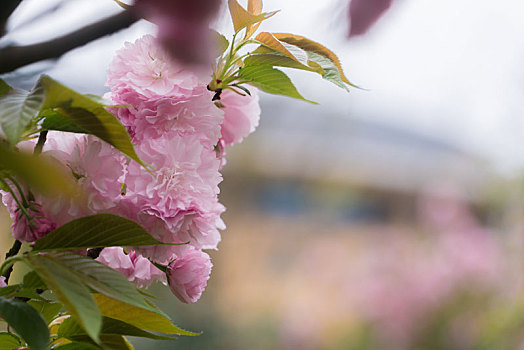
(187, 276)
(241, 115)
(133, 266)
(145, 68)
(183, 27)
(26, 230)
(182, 192)
(190, 113)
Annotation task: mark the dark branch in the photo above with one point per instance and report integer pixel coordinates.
(7, 8)
(14, 57)
(12, 252)
(94, 253)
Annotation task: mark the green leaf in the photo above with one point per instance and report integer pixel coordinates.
(39, 173)
(138, 317)
(77, 346)
(70, 328)
(288, 50)
(108, 342)
(17, 109)
(310, 56)
(277, 59)
(54, 120)
(103, 279)
(8, 291)
(88, 114)
(9, 341)
(4, 87)
(29, 294)
(312, 46)
(331, 72)
(26, 321)
(243, 18)
(70, 291)
(49, 310)
(33, 281)
(100, 230)
(270, 80)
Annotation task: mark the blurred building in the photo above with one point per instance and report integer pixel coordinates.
(304, 159)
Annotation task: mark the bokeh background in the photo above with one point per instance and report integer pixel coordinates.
(389, 217)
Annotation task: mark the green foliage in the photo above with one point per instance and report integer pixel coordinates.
(102, 279)
(70, 329)
(138, 317)
(70, 291)
(99, 230)
(87, 114)
(38, 173)
(77, 346)
(9, 341)
(17, 110)
(256, 67)
(53, 120)
(26, 321)
(47, 309)
(270, 80)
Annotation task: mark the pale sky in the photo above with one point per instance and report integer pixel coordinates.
(448, 68)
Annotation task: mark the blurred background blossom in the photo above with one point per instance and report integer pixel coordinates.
(386, 218)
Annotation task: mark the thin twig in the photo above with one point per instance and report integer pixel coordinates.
(13, 57)
(40, 144)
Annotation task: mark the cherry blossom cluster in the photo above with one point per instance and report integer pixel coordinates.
(181, 134)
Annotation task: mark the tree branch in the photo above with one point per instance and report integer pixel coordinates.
(7, 8)
(13, 57)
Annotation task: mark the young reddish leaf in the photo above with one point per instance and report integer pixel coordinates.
(254, 7)
(292, 51)
(242, 18)
(310, 45)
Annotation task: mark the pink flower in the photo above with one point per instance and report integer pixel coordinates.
(241, 117)
(144, 67)
(190, 113)
(183, 192)
(364, 13)
(2, 282)
(133, 266)
(183, 27)
(187, 276)
(98, 169)
(26, 230)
